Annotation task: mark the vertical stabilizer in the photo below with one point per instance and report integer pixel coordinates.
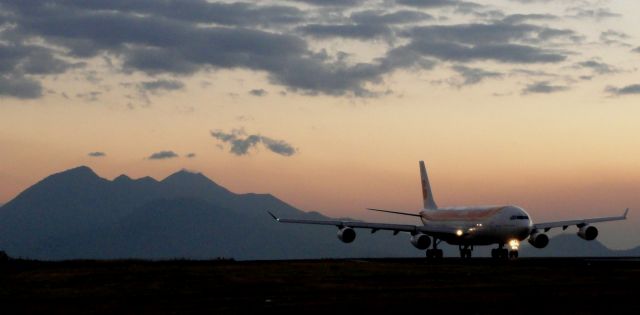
(427, 196)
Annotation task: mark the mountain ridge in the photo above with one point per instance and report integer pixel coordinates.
(77, 214)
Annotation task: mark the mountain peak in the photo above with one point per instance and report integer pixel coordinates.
(78, 172)
(122, 179)
(185, 175)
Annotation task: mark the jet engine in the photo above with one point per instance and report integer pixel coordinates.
(347, 234)
(588, 232)
(538, 240)
(420, 241)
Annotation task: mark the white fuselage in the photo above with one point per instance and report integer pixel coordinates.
(480, 225)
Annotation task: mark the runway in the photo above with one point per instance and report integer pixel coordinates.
(478, 286)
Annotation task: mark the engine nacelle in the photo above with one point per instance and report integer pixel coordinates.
(347, 234)
(538, 240)
(588, 232)
(420, 241)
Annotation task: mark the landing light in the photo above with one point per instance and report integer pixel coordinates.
(514, 244)
(459, 232)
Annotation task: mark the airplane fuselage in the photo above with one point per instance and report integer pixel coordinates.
(480, 225)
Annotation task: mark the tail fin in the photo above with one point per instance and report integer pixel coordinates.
(427, 196)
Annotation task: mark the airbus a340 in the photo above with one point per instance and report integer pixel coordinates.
(466, 227)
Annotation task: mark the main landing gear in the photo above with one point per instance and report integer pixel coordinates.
(435, 252)
(502, 253)
(465, 251)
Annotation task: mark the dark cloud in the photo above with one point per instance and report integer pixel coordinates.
(241, 143)
(279, 146)
(161, 85)
(597, 67)
(190, 155)
(181, 38)
(20, 58)
(358, 31)
(19, 87)
(521, 18)
(157, 39)
(162, 155)
(543, 87)
(636, 50)
(97, 154)
(475, 75)
(497, 41)
(507, 53)
(490, 33)
(626, 90)
(258, 92)
(398, 17)
(231, 14)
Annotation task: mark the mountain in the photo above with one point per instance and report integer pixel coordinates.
(77, 214)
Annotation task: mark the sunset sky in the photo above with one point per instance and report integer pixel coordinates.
(329, 105)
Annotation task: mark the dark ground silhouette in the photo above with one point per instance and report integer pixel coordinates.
(479, 286)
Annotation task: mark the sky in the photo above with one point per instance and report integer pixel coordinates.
(329, 105)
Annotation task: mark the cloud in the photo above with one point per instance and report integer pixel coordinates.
(357, 31)
(521, 18)
(333, 3)
(430, 3)
(474, 75)
(190, 155)
(163, 155)
(592, 13)
(278, 146)
(158, 38)
(91, 96)
(626, 90)
(597, 67)
(97, 154)
(241, 143)
(397, 17)
(179, 39)
(636, 50)
(611, 37)
(543, 87)
(258, 92)
(157, 85)
(498, 41)
(19, 87)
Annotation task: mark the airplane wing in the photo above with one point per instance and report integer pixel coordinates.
(413, 229)
(577, 222)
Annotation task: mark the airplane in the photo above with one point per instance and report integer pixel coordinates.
(465, 227)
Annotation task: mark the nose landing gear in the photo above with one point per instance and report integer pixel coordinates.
(465, 251)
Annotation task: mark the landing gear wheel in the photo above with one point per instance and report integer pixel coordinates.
(465, 253)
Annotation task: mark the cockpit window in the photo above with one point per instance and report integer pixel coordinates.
(519, 217)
